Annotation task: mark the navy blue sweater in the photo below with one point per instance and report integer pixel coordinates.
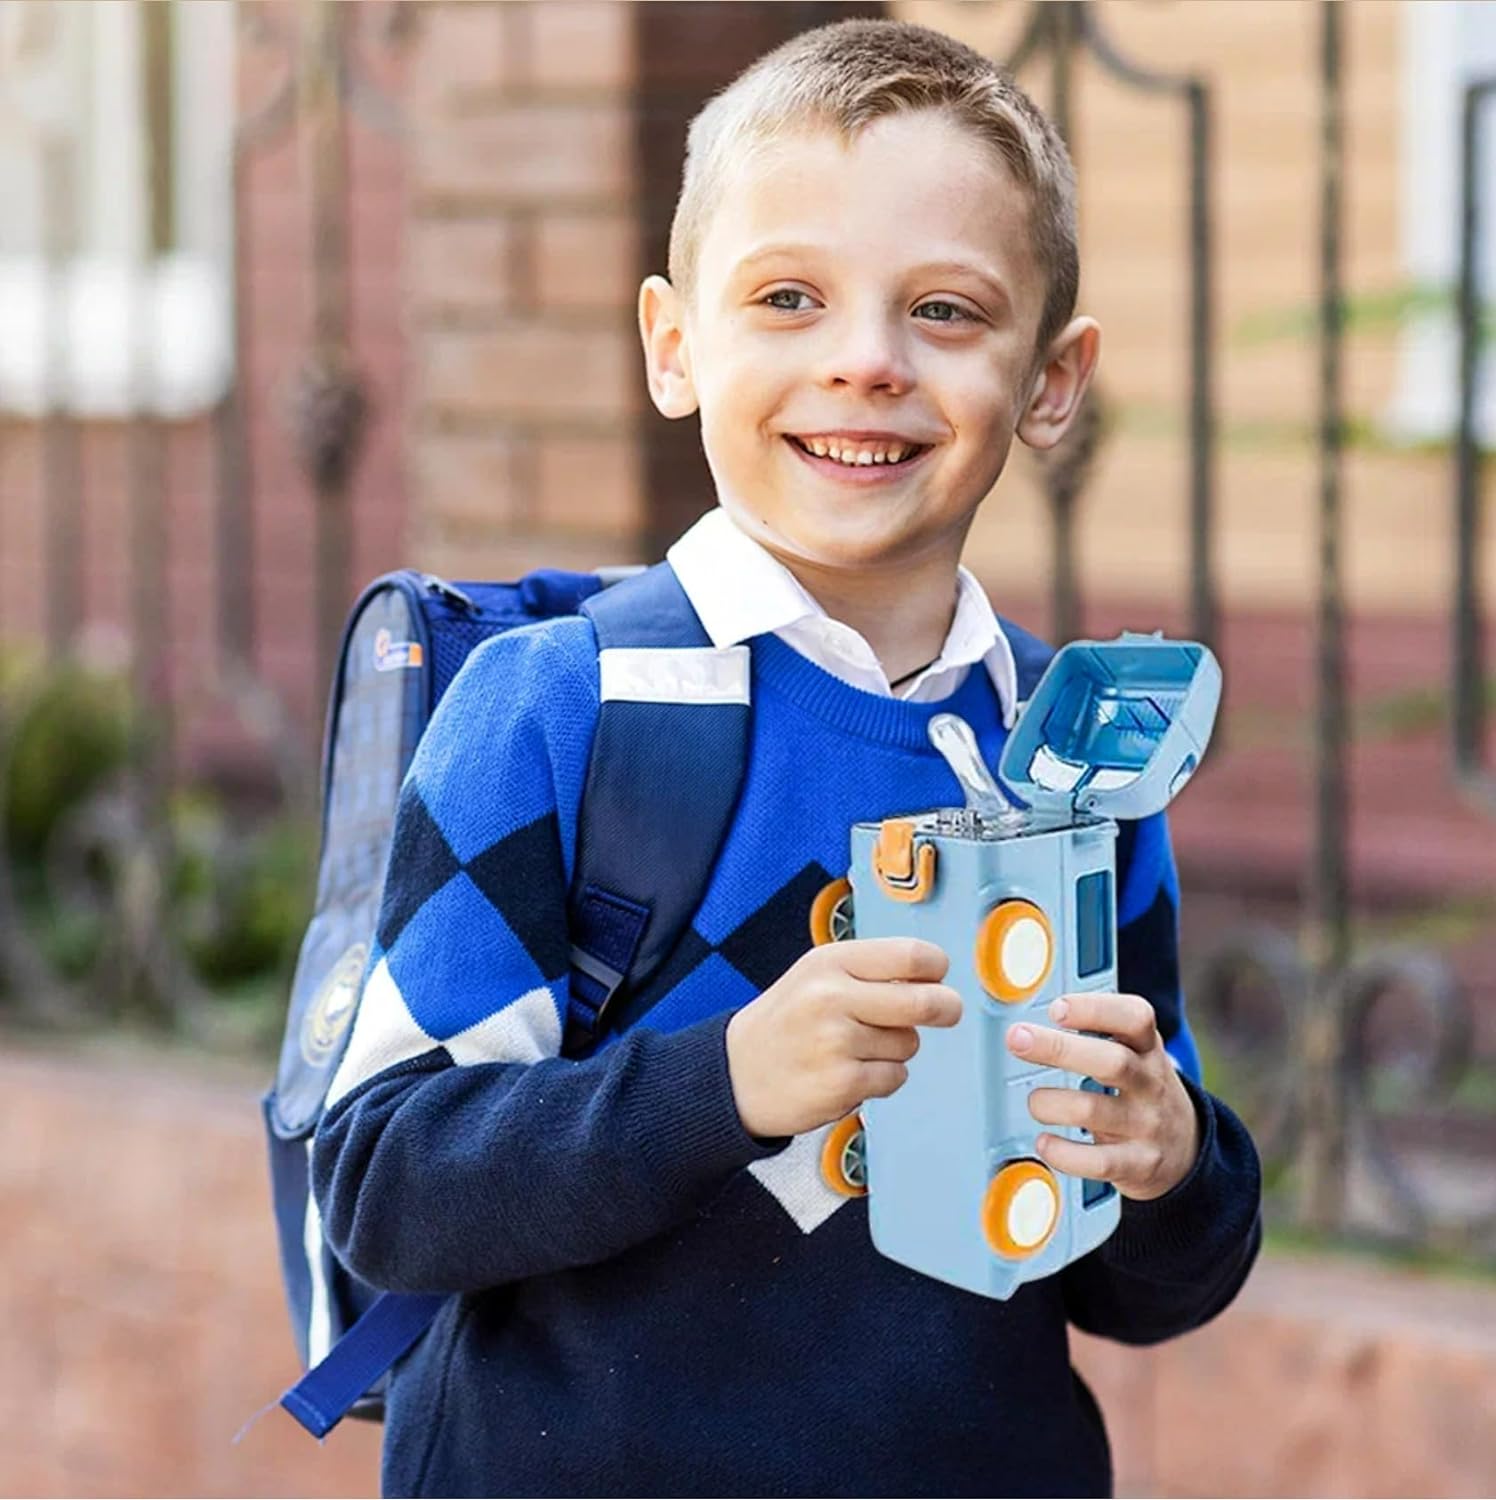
(651, 1302)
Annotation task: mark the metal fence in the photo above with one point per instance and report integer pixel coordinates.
(1357, 1134)
(1297, 1019)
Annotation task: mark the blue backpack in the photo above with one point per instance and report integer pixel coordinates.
(634, 891)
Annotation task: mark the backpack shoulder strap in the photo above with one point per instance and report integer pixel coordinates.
(668, 760)
(669, 753)
(1030, 655)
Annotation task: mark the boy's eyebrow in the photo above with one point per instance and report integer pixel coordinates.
(771, 251)
(989, 279)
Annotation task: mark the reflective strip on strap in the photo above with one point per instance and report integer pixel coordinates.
(674, 674)
(319, 1318)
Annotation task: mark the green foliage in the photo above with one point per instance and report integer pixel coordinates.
(1380, 313)
(238, 888)
(1156, 420)
(76, 729)
(1451, 1263)
(1384, 310)
(241, 898)
(1405, 714)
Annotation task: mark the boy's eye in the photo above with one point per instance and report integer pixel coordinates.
(786, 291)
(945, 312)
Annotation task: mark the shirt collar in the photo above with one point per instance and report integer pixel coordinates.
(739, 590)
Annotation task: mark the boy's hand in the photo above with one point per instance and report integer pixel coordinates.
(1146, 1135)
(835, 1029)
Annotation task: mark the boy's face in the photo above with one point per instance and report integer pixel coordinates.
(880, 300)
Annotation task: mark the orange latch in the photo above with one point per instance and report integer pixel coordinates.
(905, 869)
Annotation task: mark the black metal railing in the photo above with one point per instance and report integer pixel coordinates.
(1299, 1017)
(1058, 32)
(1468, 616)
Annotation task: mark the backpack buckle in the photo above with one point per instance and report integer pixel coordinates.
(604, 976)
(607, 928)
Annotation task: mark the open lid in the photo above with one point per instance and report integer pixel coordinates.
(1114, 728)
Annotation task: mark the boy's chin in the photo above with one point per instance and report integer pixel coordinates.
(843, 547)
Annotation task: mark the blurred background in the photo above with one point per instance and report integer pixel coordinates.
(295, 293)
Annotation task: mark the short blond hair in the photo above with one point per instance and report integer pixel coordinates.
(850, 73)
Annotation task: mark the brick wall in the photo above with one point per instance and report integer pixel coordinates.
(143, 1325)
(522, 429)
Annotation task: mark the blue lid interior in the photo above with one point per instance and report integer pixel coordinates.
(1114, 728)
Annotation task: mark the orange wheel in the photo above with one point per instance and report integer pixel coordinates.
(831, 913)
(844, 1158)
(1015, 951)
(1021, 1210)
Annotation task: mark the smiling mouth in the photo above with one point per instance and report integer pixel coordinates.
(860, 455)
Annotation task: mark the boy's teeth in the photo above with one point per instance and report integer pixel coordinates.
(856, 456)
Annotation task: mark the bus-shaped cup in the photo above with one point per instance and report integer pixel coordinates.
(1019, 888)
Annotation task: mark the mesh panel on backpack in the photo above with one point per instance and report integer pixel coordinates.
(451, 644)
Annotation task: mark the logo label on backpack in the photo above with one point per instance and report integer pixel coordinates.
(391, 655)
(332, 1007)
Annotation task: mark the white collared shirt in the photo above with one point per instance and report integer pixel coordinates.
(740, 590)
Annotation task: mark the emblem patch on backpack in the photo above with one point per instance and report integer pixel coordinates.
(332, 1007)
(391, 655)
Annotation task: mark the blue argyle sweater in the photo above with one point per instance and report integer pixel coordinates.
(652, 1302)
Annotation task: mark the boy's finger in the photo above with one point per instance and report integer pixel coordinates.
(1129, 1018)
(886, 1043)
(879, 959)
(1101, 1114)
(1095, 1057)
(1101, 1163)
(901, 1005)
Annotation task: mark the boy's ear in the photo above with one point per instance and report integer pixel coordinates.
(1061, 381)
(667, 360)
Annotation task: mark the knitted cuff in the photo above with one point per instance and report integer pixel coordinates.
(681, 1112)
(1182, 1234)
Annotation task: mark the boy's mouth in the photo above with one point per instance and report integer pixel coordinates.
(859, 454)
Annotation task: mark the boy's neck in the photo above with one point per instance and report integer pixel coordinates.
(904, 614)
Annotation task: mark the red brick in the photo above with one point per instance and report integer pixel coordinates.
(530, 153)
(530, 371)
(461, 52)
(590, 486)
(581, 44)
(508, 555)
(468, 481)
(460, 265)
(587, 260)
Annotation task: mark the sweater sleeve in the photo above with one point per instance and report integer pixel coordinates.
(1175, 1261)
(459, 1150)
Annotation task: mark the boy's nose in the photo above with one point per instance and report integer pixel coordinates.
(871, 357)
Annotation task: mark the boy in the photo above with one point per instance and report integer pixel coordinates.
(873, 273)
